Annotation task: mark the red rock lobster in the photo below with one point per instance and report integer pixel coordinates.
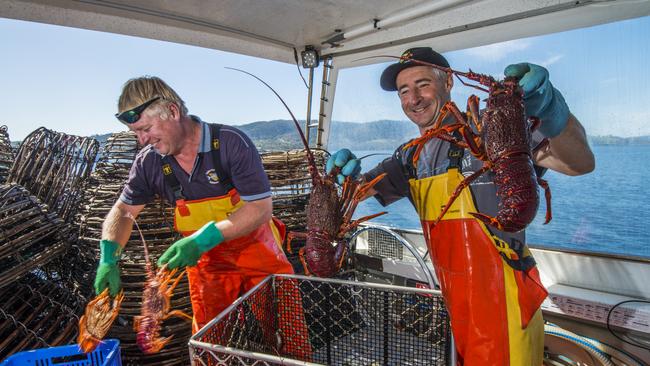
(97, 320)
(329, 216)
(156, 296)
(502, 141)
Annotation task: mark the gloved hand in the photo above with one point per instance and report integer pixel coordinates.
(187, 251)
(108, 274)
(347, 161)
(541, 99)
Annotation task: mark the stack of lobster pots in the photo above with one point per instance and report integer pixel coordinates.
(37, 206)
(288, 172)
(156, 224)
(6, 154)
(51, 212)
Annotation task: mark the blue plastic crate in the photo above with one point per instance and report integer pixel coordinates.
(106, 354)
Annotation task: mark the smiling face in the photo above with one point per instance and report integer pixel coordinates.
(422, 92)
(154, 129)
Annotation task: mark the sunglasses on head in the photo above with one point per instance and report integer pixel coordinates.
(133, 115)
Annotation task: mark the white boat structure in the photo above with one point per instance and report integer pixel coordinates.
(583, 287)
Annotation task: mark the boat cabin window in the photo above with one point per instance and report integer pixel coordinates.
(602, 73)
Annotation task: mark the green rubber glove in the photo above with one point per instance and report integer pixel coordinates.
(541, 99)
(187, 251)
(108, 274)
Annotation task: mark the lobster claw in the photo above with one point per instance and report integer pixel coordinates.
(155, 346)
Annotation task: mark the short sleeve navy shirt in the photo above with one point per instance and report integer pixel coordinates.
(239, 158)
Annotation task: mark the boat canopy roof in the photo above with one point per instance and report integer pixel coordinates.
(348, 30)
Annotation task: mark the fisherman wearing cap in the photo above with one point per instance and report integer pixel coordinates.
(488, 277)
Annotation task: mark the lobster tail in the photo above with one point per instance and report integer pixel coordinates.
(87, 342)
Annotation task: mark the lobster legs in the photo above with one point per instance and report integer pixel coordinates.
(97, 320)
(168, 278)
(473, 141)
(156, 308)
(319, 249)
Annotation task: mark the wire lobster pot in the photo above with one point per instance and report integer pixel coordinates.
(288, 173)
(31, 235)
(53, 167)
(37, 313)
(6, 154)
(156, 222)
(38, 204)
(330, 322)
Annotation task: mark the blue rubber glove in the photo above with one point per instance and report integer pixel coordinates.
(108, 274)
(347, 162)
(187, 251)
(541, 99)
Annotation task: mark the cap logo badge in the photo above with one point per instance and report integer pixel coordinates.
(406, 57)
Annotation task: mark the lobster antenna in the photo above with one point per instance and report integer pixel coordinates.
(448, 70)
(375, 154)
(302, 135)
(144, 243)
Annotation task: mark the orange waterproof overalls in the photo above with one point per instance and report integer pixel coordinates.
(233, 267)
(492, 292)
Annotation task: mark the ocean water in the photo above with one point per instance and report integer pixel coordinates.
(606, 211)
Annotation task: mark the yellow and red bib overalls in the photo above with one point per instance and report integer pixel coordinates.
(494, 308)
(233, 267)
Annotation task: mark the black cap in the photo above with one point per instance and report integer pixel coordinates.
(425, 54)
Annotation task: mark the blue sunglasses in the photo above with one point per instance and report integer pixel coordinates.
(133, 115)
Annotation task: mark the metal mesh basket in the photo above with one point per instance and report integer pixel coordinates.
(297, 320)
(381, 254)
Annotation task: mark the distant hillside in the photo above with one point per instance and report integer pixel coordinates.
(279, 135)
(378, 135)
(101, 138)
(615, 140)
(274, 135)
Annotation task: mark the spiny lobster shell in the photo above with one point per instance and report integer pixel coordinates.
(97, 320)
(507, 139)
(505, 129)
(156, 305)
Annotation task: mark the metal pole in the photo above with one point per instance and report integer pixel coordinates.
(325, 90)
(310, 92)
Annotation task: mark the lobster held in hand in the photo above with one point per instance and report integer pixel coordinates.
(329, 214)
(156, 306)
(156, 303)
(501, 138)
(98, 317)
(329, 218)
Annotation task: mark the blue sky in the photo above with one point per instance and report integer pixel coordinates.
(69, 79)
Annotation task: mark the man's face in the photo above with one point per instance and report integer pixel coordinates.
(161, 133)
(422, 94)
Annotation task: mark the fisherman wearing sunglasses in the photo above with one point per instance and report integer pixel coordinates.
(214, 177)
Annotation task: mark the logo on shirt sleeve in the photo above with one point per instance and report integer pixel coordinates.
(212, 176)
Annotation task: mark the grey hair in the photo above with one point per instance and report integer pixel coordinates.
(441, 75)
